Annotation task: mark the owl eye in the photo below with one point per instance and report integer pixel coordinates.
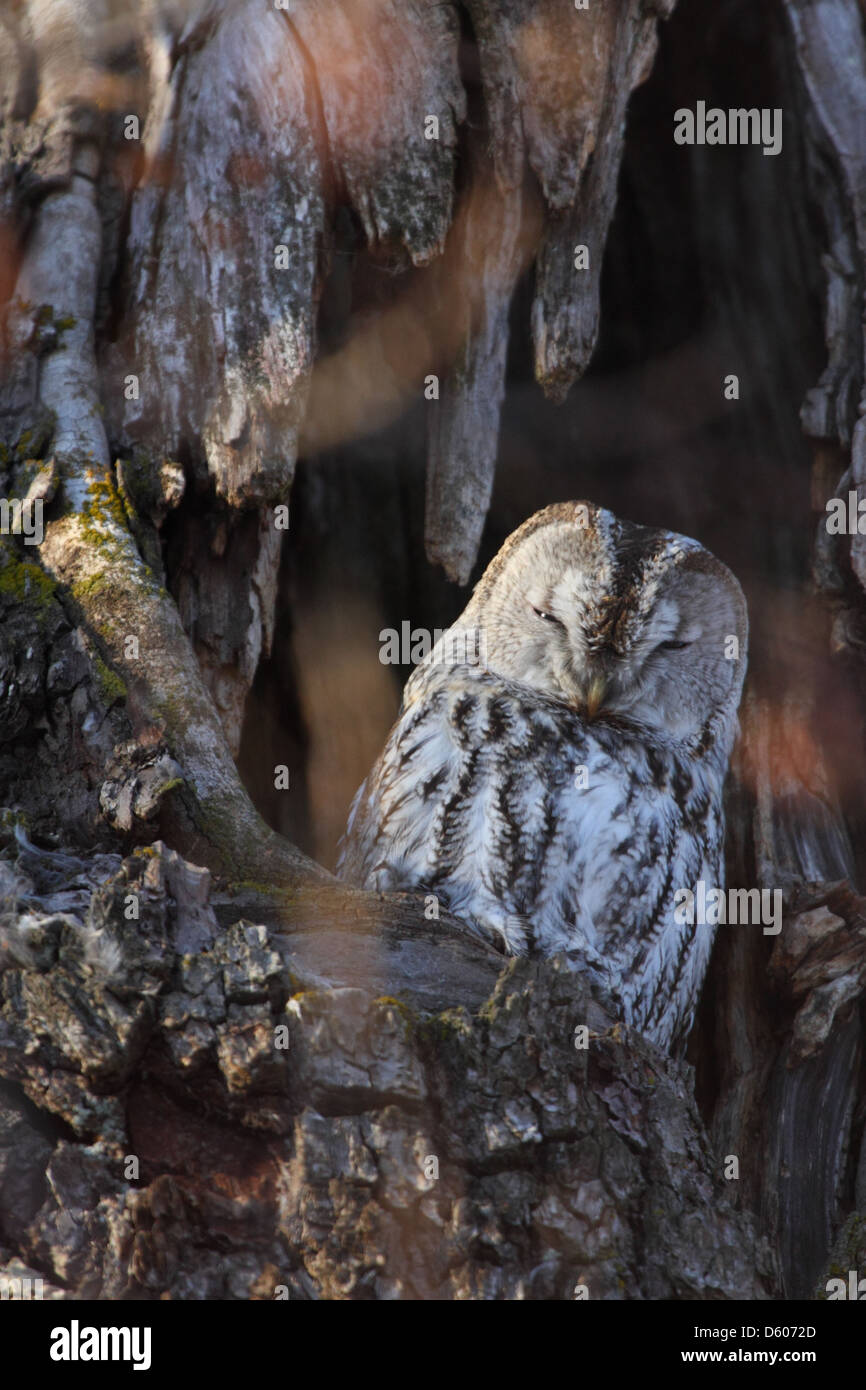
(672, 646)
(546, 617)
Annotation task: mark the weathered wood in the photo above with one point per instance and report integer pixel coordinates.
(159, 1035)
(306, 127)
(89, 551)
(219, 322)
(225, 583)
(558, 81)
(390, 100)
(838, 96)
(495, 236)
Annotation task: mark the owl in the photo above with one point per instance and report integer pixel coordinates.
(555, 775)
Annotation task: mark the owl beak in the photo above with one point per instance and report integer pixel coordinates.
(595, 695)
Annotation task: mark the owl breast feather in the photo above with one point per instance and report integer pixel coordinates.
(547, 833)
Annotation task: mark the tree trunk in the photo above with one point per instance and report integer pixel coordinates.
(279, 287)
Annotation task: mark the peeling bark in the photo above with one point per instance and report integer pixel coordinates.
(220, 320)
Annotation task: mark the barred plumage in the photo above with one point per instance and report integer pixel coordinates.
(559, 792)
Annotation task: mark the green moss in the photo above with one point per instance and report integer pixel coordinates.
(111, 687)
(103, 526)
(45, 317)
(446, 1027)
(84, 589)
(26, 474)
(489, 1010)
(395, 1004)
(33, 442)
(105, 507)
(25, 582)
(103, 517)
(100, 541)
(172, 710)
(141, 476)
(253, 885)
(9, 819)
(404, 1013)
(847, 1253)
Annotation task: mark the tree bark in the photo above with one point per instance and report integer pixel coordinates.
(260, 263)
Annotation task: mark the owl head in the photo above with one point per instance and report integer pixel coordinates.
(614, 618)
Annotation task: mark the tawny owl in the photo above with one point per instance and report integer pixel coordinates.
(555, 774)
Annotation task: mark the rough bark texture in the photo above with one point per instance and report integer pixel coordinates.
(385, 1150)
(324, 208)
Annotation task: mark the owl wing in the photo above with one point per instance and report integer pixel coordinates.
(521, 817)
